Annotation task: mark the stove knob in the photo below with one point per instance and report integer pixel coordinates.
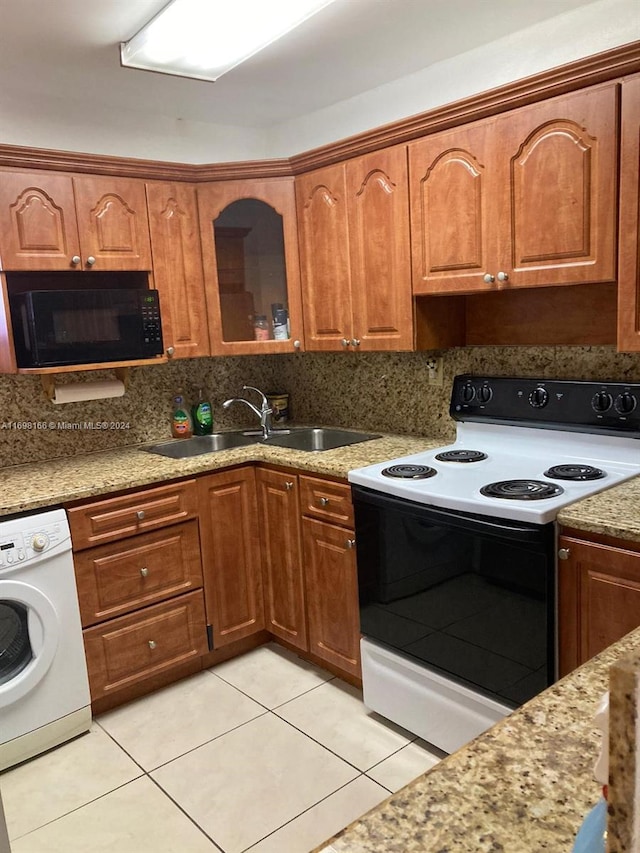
(539, 398)
(485, 393)
(625, 403)
(468, 392)
(601, 401)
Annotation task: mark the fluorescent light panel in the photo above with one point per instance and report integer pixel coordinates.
(206, 38)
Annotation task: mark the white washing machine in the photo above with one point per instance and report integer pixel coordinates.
(44, 689)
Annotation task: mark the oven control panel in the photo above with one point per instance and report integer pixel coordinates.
(611, 407)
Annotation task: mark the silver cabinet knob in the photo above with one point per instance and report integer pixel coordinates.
(90, 261)
(297, 344)
(170, 351)
(351, 543)
(564, 553)
(324, 501)
(345, 342)
(152, 644)
(75, 260)
(355, 342)
(144, 571)
(140, 514)
(488, 278)
(503, 276)
(288, 485)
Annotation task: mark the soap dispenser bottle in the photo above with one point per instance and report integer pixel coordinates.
(202, 416)
(181, 424)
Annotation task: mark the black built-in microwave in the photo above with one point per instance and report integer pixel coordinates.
(54, 328)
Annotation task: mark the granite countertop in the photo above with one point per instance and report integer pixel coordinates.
(614, 512)
(522, 787)
(58, 481)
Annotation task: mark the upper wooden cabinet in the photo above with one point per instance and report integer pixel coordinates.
(629, 234)
(52, 221)
(355, 254)
(526, 199)
(251, 267)
(177, 268)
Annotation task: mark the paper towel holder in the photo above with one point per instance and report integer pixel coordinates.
(49, 381)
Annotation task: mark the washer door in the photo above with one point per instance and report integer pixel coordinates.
(29, 635)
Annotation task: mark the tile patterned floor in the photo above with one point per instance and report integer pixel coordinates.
(265, 753)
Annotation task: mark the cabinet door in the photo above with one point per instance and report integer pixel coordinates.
(629, 234)
(37, 222)
(599, 598)
(379, 247)
(231, 565)
(557, 190)
(324, 258)
(453, 210)
(113, 223)
(282, 556)
(256, 275)
(177, 268)
(332, 594)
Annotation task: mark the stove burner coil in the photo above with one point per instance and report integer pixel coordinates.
(409, 472)
(521, 490)
(461, 456)
(574, 472)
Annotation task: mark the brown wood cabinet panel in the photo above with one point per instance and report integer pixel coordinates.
(599, 598)
(37, 222)
(120, 577)
(629, 234)
(278, 501)
(321, 199)
(113, 223)
(231, 560)
(112, 519)
(380, 252)
(125, 651)
(452, 205)
(177, 268)
(213, 198)
(332, 594)
(326, 500)
(558, 188)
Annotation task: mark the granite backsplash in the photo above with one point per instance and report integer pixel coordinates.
(388, 392)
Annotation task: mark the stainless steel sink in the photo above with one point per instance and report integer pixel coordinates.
(182, 448)
(318, 438)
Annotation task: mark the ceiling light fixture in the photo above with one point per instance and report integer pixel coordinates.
(206, 38)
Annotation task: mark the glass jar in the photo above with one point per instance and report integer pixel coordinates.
(261, 327)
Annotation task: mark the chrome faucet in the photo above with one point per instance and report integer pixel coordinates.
(264, 412)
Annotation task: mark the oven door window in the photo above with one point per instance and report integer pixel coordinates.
(15, 646)
(458, 598)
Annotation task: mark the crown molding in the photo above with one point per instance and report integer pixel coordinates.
(591, 70)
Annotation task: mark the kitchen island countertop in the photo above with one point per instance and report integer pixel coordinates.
(522, 787)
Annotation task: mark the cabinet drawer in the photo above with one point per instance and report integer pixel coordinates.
(127, 650)
(120, 577)
(114, 518)
(326, 500)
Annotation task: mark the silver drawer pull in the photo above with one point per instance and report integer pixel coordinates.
(144, 571)
(152, 644)
(324, 501)
(288, 485)
(351, 543)
(564, 553)
(140, 514)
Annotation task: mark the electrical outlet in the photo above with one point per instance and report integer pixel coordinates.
(434, 372)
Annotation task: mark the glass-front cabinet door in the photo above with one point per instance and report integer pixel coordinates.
(252, 274)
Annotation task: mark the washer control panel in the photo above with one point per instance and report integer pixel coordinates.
(26, 543)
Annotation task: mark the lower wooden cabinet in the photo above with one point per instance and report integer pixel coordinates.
(332, 594)
(309, 565)
(599, 596)
(231, 561)
(127, 650)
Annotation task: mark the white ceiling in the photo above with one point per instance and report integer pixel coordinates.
(69, 49)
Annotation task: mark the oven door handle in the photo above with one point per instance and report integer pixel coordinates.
(500, 528)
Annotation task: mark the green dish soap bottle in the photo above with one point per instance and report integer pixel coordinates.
(181, 425)
(202, 416)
